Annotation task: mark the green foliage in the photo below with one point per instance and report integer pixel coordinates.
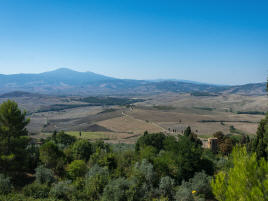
(201, 184)
(118, 190)
(5, 185)
(166, 187)
(187, 131)
(63, 139)
(246, 181)
(44, 175)
(110, 100)
(50, 155)
(13, 140)
(125, 161)
(103, 159)
(164, 107)
(95, 181)
(184, 193)
(62, 190)
(77, 168)
(21, 197)
(36, 190)
(260, 144)
(81, 150)
(155, 140)
(144, 171)
(196, 188)
(33, 156)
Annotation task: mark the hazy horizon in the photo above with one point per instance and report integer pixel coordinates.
(157, 79)
(210, 42)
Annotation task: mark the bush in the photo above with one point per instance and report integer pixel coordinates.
(5, 185)
(117, 190)
(81, 150)
(184, 193)
(95, 181)
(64, 139)
(36, 190)
(77, 168)
(155, 140)
(44, 175)
(50, 155)
(21, 197)
(166, 186)
(145, 174)
(61, 190)
(201, 184)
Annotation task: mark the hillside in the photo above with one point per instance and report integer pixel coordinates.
(68, 82)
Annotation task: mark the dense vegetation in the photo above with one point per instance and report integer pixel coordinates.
(199, 93)
(109, 100)
(158, 167)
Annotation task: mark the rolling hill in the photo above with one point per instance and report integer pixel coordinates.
(64, 81)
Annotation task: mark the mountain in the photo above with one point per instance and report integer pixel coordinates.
(64, 81)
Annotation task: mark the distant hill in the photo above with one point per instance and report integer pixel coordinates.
(68, 82)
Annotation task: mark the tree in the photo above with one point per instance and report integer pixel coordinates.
(260, 143)
(62, 138)
(13, 140)
(95, 181)
(166, 187)
(81, 150)
(117, 190)
(246, 181)
(77, 168)
(156, 140)
(187, 131)
(51, 156)
(226, 147)
(44, 175)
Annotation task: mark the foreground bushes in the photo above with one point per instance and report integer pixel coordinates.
(36, 190)
(5, 185)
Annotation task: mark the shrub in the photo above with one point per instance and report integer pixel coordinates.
(5, 185)
(77, 168)
(166, 186)
(21, 197)
(184, 193)
(144, 171)
(95, 181)
(36, 190)
(61, 190)
(50, 154)
(201, 184)
(64, 139)
(117, 190)
(81, 150)
(44, 175)
(156, 140)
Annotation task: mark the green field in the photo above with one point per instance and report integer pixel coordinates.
(90, 135)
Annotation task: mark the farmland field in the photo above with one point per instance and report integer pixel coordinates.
(168, 112)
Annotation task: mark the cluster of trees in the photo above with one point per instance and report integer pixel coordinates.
(158, 167)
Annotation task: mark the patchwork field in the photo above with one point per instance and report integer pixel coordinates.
(169, 113)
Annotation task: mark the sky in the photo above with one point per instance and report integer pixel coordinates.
(220, 42)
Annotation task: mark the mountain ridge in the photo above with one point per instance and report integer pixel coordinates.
(64, 81)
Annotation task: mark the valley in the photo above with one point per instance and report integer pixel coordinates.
(124, 119)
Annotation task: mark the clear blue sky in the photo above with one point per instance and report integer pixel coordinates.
(221, 42)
